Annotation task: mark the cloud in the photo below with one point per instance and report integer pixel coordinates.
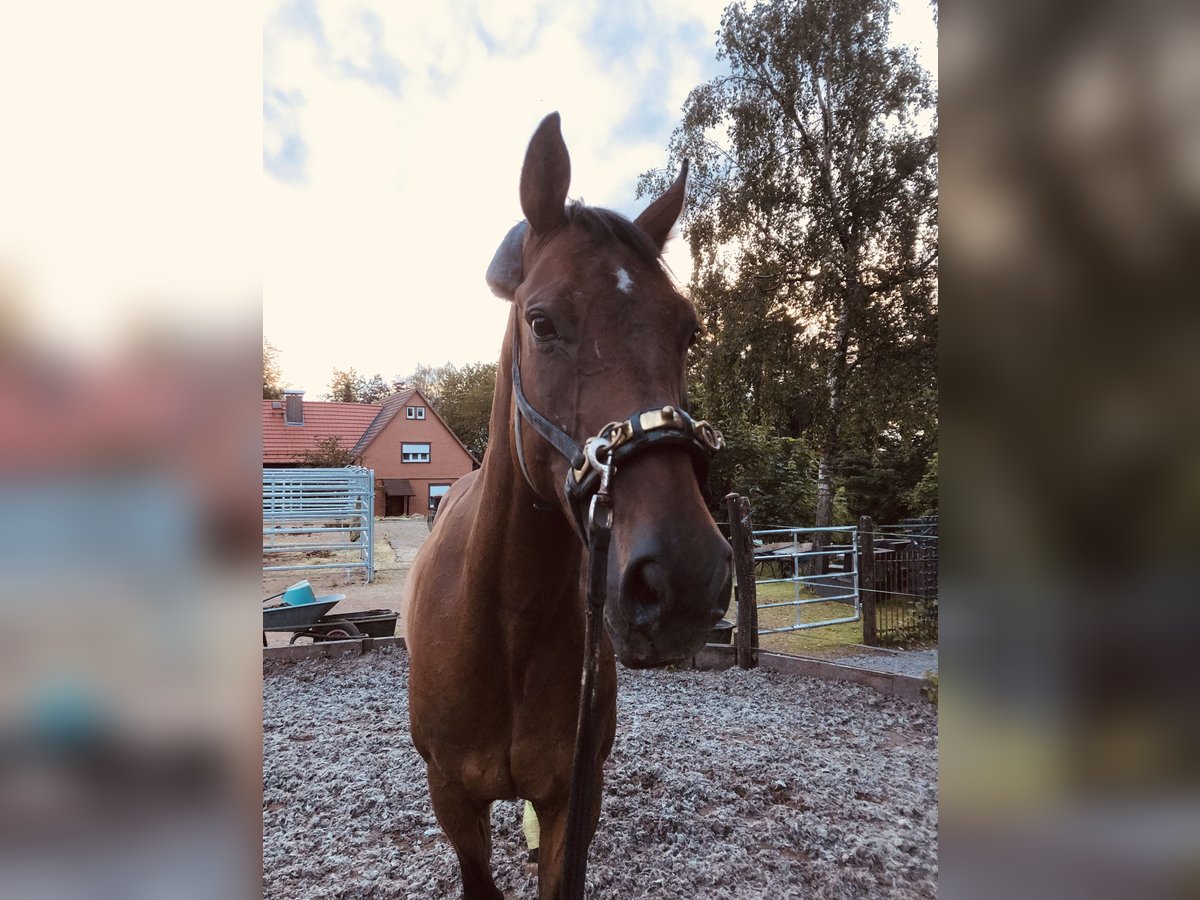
(367, 59)
(393, 140)
(284, 150)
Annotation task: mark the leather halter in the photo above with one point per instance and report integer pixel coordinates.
(616, 442)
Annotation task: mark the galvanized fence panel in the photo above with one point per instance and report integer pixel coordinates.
(817, 572)
(303, 509)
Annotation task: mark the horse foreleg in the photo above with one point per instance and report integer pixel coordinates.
(552, 817)
(552, 826)
(467, 822)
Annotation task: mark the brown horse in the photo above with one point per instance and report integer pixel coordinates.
(495, 608)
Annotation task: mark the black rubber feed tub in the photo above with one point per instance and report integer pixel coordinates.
(722, 633)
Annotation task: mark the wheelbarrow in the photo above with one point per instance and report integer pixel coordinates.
(306, 615)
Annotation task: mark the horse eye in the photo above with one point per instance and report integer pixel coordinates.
(543, 328)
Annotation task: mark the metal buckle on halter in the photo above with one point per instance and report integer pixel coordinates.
(598, 454)
(708, 436)
(609, 438)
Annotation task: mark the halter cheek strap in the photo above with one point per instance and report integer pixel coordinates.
(560, 440)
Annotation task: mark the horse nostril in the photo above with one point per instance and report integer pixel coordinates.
(645, 591)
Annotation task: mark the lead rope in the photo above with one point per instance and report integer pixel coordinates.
(580, 799)
(599, 532)
(596, 457)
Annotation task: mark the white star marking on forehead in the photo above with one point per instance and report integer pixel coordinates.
(624, 282)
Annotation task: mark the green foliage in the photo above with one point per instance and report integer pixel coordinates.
(373, 389)
(329, 454)
(465, 403)
(347, 386)
(775, 472)
(426, 379)
(272, 389)
(879, 481)
(462, 396)
(812, 219)
(343, 387)
(923, 499)
(930, 687)
(841, 509)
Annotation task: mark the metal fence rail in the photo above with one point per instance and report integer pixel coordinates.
(887, 574)
(827, 570)
(313, 502)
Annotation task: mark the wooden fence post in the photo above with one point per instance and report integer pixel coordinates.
(866, 578)
(741, 540)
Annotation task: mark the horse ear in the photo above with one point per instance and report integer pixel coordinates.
(659, 217)
(545, 177)
(506, 272)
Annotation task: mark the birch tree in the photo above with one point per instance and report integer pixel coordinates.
(812, 220)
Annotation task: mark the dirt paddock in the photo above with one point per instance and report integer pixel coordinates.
(727, 784)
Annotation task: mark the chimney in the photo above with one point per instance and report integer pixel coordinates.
(293, 411)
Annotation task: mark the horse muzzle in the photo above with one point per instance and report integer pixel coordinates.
(668, 597)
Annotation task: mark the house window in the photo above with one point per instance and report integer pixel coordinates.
(436, 493)
(415, 412)
(414, 453)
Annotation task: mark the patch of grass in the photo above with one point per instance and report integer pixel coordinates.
(828, 641)
(930, 690)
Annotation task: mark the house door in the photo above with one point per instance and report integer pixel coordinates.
(397, 506)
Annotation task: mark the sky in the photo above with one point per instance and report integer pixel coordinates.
(392, 148)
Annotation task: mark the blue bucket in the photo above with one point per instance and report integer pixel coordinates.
(299, 594)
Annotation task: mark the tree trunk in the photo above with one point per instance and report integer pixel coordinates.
(838, 372)
(824, 494)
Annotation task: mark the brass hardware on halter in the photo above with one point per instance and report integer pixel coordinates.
(666, 417)
(615, 435)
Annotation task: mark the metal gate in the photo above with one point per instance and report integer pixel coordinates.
(900, 585)
(305, 511)
(817, 573)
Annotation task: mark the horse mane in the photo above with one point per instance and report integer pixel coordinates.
(604, 224)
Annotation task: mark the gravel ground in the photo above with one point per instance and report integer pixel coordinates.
(721, 785)
(903, 662)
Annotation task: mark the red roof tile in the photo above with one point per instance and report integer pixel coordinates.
(284, 443)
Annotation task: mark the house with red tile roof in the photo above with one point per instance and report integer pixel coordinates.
(415, 455)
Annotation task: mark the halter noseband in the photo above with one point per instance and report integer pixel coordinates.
(591, 465)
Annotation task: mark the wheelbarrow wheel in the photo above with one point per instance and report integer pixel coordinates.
(339, 631)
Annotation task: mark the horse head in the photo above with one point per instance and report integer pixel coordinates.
(600, 335)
